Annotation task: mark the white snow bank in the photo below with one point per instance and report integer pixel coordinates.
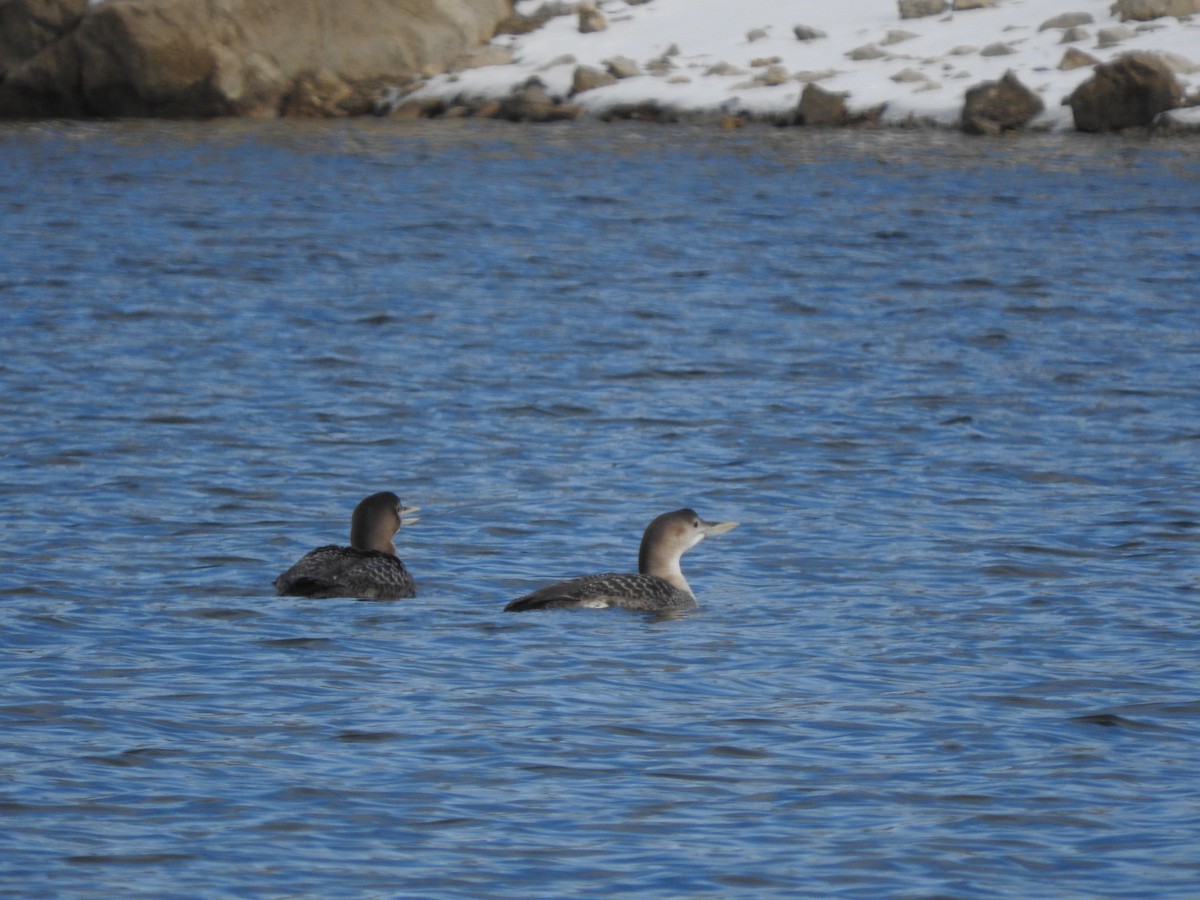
(924, 70)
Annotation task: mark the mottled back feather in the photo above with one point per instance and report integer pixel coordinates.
(643, 593)
(334, 571)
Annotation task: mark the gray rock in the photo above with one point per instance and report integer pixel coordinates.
(807, 33)
(1074, 35)
(917, 9)
(1067, 20)
(997, 49)
(897, 36)
(756, 34)
(962, 5)
(1127, 92)
(998, 106)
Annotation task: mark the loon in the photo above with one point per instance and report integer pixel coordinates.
(659, 585)
(368, 569)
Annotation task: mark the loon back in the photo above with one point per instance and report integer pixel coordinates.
(334, 571)
(642, 593)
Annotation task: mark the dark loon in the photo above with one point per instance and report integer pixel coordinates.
(368, 569)
(659, 585)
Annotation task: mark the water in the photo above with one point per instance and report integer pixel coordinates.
(948, 387)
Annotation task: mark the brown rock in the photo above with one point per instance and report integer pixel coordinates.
(29, 26)
(997, 106)
(1075, 58)
(1145, 10)
(1125, 93)
(244, 57)
(916, 9)
(820, 107)
(587, 78)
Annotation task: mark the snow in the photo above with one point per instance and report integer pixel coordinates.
(943, 54)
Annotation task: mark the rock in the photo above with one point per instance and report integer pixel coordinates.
(1145, 10)
(865, 52)
(997, 49)
(998, 106)
(1108, 37)
(1074, 35)
(1127, 92)
(531, 102)
(516, 23)
(807, 33)
(897, 36)
(962, 5)
(202, 58)
(907, 76)
(660, 65)
(1075, 58)
(1179, 64)
(819, 107)
(917, 9)
(724, 68)
(1067, 20)
(622, 67)
(29, 26)
(591, 19)
(756, 34)
(774, 76)
(764, 61)
(587, 78)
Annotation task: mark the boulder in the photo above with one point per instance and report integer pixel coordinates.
(1067, 20)
(916, 9)
(591, 19)
(1075, 58)
(1127, 92)
(821, 107)
(1145, 10)
(531, 102)
(202, 58)
(587, 78)
(994, 107)
(622, 67)
(807, 33)
(29, 26)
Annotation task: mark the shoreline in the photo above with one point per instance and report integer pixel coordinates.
(668, 61)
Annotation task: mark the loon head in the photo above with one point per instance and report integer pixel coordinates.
(670, 536)
(376, 520)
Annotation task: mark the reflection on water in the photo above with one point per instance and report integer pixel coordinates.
(947, 386)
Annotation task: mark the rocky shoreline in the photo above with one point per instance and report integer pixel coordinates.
(410, 59)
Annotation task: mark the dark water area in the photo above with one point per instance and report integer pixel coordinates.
(949, 388)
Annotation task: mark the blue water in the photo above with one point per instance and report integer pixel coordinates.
(948, 387)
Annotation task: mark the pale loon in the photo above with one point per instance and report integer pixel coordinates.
(659, 585)
(368, 569)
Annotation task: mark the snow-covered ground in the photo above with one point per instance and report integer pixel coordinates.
(924, 68)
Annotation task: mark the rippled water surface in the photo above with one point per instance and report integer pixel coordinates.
(948, 387)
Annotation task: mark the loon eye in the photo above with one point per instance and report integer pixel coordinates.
(695, 523)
